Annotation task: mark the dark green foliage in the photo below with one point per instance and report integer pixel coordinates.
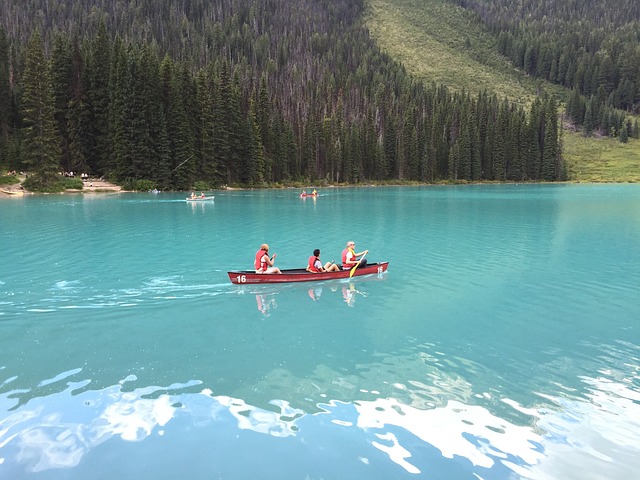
(55, 185)
(261, 93)
(78, 115)
(62, 82)
(624, 134)
(99, 84)
(550, 166)
(139, 185)
(5, 99)
(41, 141)
(590, 47)
(8, 180)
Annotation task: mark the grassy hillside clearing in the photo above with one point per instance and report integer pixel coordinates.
(440, 42)
(601, 159)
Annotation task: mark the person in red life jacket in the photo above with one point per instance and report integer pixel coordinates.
(263, 263)
(350, 257)
(314, 265)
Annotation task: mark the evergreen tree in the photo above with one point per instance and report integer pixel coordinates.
(624, 134)
(205, 146)
(5, 99)
(61, 83)
(99, 98)
(516, 170)
(263, 118)
(500, 144)
(550, 170)
(255, 168)
(181, 132)
(476, 161)
(532, 154)
(465, 148)
(390, 144)
(453, 162)
(237, 128)
(145, 112)
(78, 116)
(41, 148)
(575, 108)
(589, 121)
(119, 164)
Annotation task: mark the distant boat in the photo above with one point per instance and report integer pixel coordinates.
(201, 198)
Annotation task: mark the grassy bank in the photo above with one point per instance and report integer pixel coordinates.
(601, 160)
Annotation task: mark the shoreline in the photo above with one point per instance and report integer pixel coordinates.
(89, 186)
(104, 187)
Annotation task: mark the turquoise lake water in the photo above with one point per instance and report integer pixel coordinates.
(503, 342)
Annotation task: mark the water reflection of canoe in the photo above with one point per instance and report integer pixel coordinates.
(200, 199)
(301, 275)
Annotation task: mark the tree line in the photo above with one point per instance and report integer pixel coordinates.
(590, 47)
(243, 92)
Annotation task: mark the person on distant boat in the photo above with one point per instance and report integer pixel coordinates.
(314, 192)
(193, 195)
(263, 263)
(304, 193)
(201, 194)
(350, 257)
(314, 264)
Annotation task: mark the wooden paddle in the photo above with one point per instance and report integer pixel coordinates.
(353, 269)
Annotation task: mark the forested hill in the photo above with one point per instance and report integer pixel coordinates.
(248, 92)
(591, 47)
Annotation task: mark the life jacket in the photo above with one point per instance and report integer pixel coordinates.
(344, 258)
(258, 263)
(312, 261)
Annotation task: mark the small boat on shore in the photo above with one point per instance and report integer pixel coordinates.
(12, 192)
(242, 277)
(200, 199)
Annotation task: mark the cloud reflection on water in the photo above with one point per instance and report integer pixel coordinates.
(57, 431)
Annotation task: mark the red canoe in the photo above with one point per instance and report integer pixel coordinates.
(301, 275)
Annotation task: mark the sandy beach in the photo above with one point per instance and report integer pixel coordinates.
(90, 186)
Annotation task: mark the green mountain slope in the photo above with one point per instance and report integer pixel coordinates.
(443, 43)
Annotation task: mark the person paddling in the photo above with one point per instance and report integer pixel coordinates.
(315, 264)
(350, 257)
(263, 263)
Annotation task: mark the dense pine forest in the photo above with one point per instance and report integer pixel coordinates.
(174, 93)
(590, 47)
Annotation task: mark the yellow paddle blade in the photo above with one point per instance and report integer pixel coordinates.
(353, 269)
